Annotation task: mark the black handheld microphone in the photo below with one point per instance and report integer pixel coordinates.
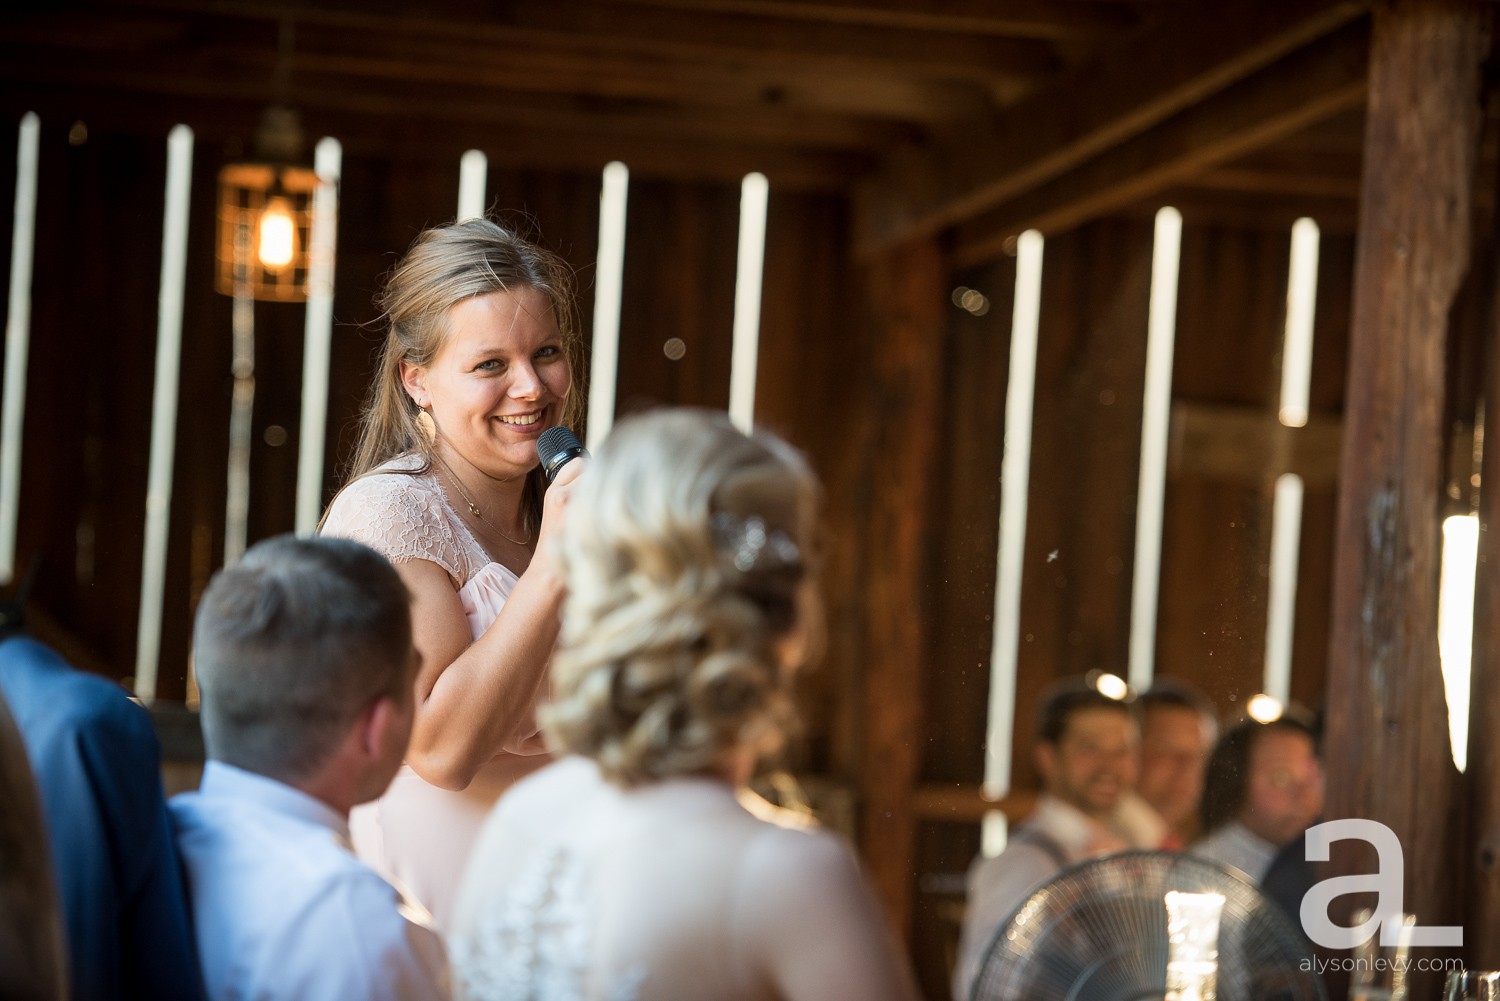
(556, 448)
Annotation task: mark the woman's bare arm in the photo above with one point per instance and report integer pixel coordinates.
(474, 697)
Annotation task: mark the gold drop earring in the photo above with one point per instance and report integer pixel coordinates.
(426, 425)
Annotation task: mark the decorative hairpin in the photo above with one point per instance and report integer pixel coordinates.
(752, 546)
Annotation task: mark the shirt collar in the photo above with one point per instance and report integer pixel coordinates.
(223, 779)
(1255, 850)
(1073, 829)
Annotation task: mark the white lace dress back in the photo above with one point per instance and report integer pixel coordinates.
(582, 891)
(417, 835)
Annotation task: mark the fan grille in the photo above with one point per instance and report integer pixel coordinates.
(1098, 932)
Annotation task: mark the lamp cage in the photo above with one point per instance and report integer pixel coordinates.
(247, 192)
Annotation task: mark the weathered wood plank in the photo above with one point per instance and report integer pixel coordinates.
(804, 356)
(1387, 734)
(1247, 445)
(966, 803)
(1015, 18)
(939, 50)
(1085, 454)
(678, 283)
(225, 43)
(1482, 779)
(1279, 182)
(587, 30)
(968, 490)
(906, 297)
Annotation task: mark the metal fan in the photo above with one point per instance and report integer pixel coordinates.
(1098, 932)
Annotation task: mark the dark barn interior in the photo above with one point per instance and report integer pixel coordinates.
(907, 146)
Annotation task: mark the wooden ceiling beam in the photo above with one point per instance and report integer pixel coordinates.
(1170, 65)
(227, 123)
(643, 29)
(210, 48)
(609, 75)
(1254, 180)
(1012, 18)
(940, 53)
(330, 95)
(1315, 83)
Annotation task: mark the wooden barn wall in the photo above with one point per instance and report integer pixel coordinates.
(91, 369)
(812, 389)
(93, 307)
(680, 251)
(1077, 575)
(1217, 529)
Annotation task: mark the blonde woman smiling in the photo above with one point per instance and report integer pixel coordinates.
(479, 359)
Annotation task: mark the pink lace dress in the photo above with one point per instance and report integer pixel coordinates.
(418, 835)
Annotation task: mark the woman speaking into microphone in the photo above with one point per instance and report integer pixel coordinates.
(480, 356)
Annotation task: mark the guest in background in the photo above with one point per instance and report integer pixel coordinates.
(628, 870)
(1178, 728)
(33, 963)
(305, 664)
(480, 357)
(1086, 754)
(97, 762)
(1263, 787)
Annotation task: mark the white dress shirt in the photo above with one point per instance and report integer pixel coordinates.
(999, 885)
(281, 907)
(1236, 846)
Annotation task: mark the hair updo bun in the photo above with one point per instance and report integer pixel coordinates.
(684, 555)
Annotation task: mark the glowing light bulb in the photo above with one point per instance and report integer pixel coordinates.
(1264, 709)
(1112, 686)
(278, 234)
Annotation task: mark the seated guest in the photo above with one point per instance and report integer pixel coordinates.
(1178, 728)
(628, 870)
(32, 963)
(1085, 752)
(1263, 787)
(98, 767)
(305, 665)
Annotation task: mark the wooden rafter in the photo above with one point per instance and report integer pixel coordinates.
(1313, 84)
(1171, 65)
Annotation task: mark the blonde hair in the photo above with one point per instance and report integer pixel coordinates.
(684, 551)
(445, 266)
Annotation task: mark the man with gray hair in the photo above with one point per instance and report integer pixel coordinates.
(305, 662)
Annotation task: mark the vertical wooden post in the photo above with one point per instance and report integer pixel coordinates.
(1482, 781)
(906, 299)
(1387, 735)
(1482, 924)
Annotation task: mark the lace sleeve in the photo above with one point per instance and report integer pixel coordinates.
(399, 516)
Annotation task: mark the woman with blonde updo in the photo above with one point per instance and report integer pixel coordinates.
(479, 359)
(628, 870)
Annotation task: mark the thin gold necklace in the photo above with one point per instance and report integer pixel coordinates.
(474, 508)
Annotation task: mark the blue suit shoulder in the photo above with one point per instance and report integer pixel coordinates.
(52, 700)
(97, 761)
